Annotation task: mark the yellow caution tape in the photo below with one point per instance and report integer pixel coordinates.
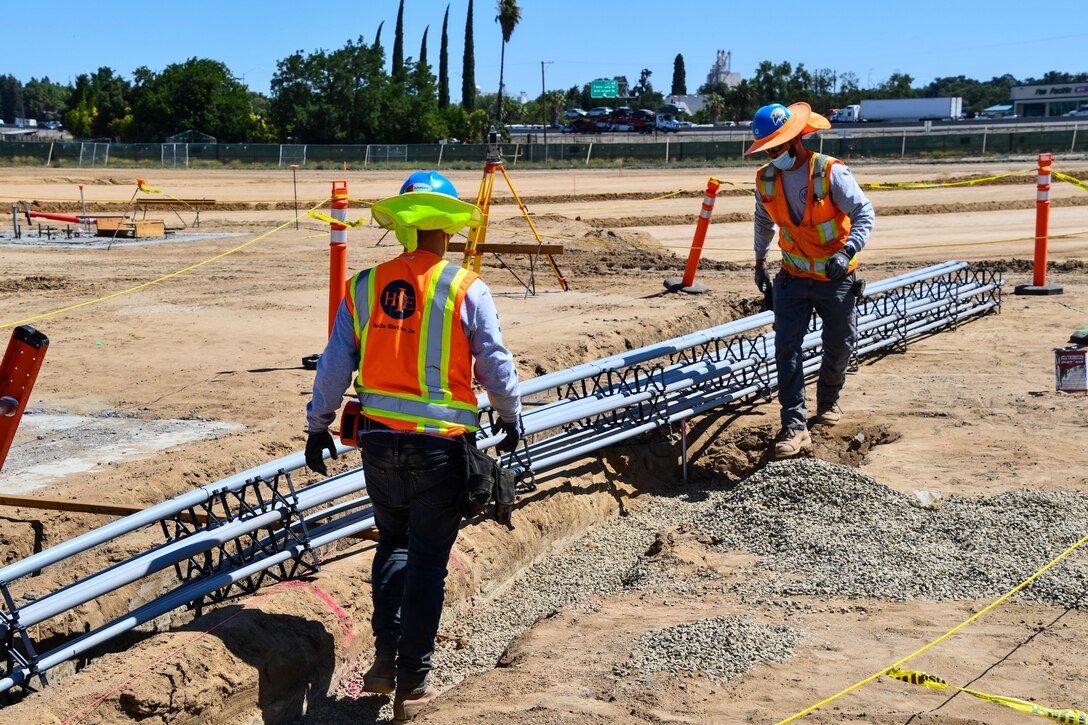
(343, 222)
(1075, 182)
(154, 281)
(922, 679)
(924, 185)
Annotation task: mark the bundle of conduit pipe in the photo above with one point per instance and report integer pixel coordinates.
(230, 537)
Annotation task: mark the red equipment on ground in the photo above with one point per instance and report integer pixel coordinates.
(23, 359)
(70, 218)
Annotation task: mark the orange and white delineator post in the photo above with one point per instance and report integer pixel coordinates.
(687, 283)
(22, 360)
(338, 248)
(1038, 284)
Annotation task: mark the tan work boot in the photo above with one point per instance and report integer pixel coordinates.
(381, 678)
(791, 442)
(406, 705)
(828, 415)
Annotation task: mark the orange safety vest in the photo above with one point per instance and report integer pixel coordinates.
(823, 230)
(415, 365)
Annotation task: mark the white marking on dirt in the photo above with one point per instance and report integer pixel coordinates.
(50, 446)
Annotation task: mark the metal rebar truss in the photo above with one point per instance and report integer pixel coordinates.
(254, 497)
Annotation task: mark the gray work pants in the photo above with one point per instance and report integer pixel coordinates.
(795, 299)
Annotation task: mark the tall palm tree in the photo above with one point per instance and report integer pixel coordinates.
(508, 18)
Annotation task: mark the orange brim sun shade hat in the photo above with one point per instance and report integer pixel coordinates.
(405, 213)
(798, 121)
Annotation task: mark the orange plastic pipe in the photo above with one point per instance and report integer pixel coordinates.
(338, 249)
(1042, 219)
(700, 232)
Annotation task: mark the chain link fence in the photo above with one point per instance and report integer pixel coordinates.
(563, 150)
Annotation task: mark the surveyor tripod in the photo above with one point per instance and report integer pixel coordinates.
(474, 248)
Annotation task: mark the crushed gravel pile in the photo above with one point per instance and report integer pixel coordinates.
(718, 648)
(854, 537)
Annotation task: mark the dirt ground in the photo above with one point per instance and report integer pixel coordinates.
(207, 358)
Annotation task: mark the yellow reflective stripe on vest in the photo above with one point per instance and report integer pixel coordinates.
(821, 177)
(436, 329)
(795, 261)
(361, 316)
(414, 408)
(828, 230)
(766, 180)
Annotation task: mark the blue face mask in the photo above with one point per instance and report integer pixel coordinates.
(784, 160)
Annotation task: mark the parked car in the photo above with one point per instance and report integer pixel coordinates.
(582, 124)
(51, 125)
(1078, 112)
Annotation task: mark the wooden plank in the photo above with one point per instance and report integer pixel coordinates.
(177, 202)
(499, 248)
(136, 229)
(85, 507)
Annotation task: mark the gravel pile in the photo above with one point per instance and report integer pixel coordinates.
(598, 563)
(820, 530)
(853, 537)
(719, 648)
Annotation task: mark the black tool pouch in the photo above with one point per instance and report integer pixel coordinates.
(486, 481)
(505, 495)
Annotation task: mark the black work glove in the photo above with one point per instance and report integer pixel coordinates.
(838, 266)
(763, 279)
(316, 445)
(508, 444)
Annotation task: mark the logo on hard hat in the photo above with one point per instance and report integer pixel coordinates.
(419, 186)
(779, 116)
(398, 300)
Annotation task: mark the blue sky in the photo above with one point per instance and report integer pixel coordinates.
(578, 39)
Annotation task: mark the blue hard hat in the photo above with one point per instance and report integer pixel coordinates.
(429, 181)
(769, 119)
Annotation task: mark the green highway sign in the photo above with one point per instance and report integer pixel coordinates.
(604, 89)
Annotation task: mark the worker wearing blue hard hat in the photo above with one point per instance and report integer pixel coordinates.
(823, 221)
(414, 331)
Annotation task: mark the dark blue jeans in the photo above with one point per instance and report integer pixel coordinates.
(795, 299)
(415, 482)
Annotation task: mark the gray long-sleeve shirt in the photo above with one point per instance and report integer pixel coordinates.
(844, 193)
(493, 364)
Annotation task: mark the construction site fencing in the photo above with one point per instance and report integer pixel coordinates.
(561, 149)
(229, 537)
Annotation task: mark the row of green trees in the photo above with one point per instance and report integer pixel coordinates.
(825, 89)
(349, 96)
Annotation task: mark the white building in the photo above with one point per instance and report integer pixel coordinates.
(721, 72)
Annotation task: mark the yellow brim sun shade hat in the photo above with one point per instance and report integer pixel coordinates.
(412, 210)
(775, 125)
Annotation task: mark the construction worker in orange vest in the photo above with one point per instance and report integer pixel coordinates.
(823, 220)
(414, 331)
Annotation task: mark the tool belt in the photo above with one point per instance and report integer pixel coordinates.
(487, 481)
